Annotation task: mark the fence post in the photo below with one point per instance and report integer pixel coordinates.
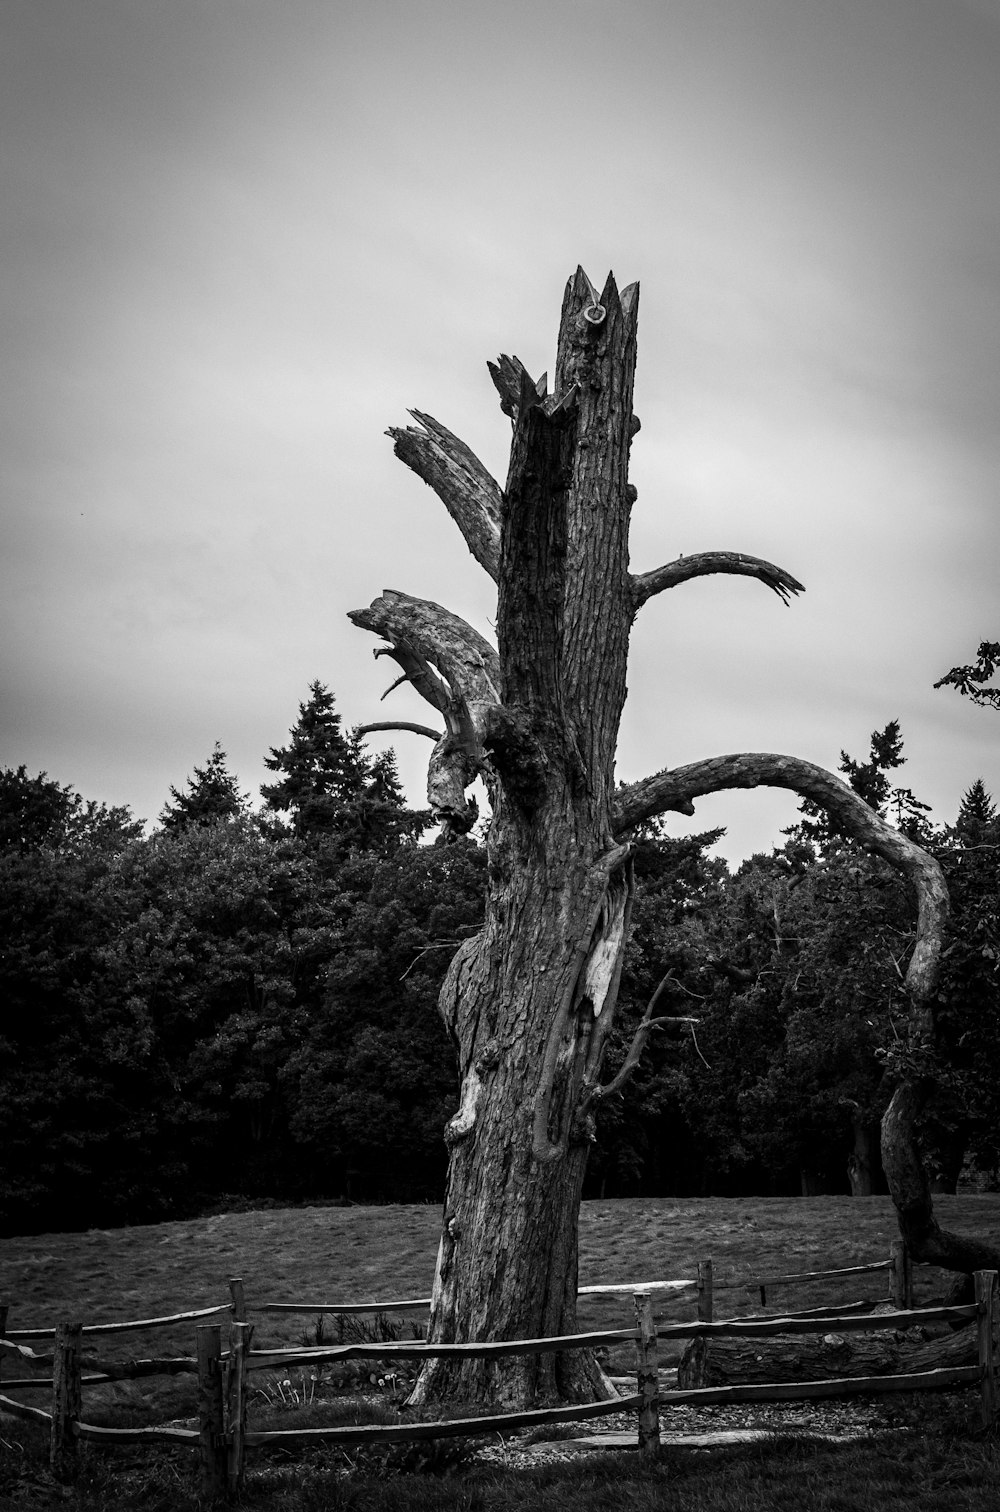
(986, 1282)
(239, 1304)
(236, 1405)
(210, 1412)
(704, 1291)
(66, 1398)
(901, 1275)
(648, 1375)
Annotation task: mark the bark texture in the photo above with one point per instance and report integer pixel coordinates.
(820, 1357)
(529, 1003)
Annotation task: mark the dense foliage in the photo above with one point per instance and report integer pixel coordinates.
(241, 1005)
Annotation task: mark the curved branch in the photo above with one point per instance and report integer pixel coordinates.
(704, 564)
(904, 1170)
(437, 639)
(643, 800)
(400, 724)
(427, 641)
(465, 487)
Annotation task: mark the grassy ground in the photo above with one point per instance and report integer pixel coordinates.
(362, 1254)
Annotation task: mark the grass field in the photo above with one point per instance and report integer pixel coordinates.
(364, 1254)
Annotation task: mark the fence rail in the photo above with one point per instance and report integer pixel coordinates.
(223, 1437)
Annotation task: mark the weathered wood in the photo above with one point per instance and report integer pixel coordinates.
(236, 1405)
(347, 1309)
(803, 1278)
(529, 1002)
(832, 1352)
(762, 1328)
(705, 1291)
(900, 1274)
(495, 1349)
(114, 1436)
(65, 1401)
(986, 1286)
(618, 1288)
(114, 1328)
(507, 1422)
(647, 1375)
(22, 1410)
(793, 1391)
(238, 1300)
(830, 1312)
(109, 1370)
(211, 1422)
(708, 563)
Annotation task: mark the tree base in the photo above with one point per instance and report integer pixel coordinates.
(514, 1383)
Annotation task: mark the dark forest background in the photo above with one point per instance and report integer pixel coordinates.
(239, 1005)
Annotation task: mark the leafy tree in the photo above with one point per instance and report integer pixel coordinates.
(372, 1081)
(35, 811)
(644, 1141)
(212, 794)
(970, 679)
(964, 1113)
(32, 809)
(77, 1110)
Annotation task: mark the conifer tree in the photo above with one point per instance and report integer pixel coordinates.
(329, 787)
(212, 794)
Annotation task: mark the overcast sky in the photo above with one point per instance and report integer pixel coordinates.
(239, 238)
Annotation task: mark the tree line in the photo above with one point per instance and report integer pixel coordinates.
(242, 1003)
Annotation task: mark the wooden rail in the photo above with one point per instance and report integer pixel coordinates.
(222, 1437)
(114, 1328)
(802, 1278)
(412, 1304)
(506, 1422)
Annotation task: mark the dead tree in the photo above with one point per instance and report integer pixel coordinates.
(529, 1002)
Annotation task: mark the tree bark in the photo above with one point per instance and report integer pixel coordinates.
(529, 1003)
(820, 1357)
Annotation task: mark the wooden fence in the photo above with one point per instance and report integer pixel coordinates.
(223, 1438)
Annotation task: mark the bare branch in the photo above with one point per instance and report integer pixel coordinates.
(465, 487)
(706, 563)
(667, 789)
(436, 638)
(646, 1024)
(428, 640)
(400, 724)
(417, 672)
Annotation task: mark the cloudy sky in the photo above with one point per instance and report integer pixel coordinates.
(240, 237)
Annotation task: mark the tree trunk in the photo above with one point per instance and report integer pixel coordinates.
(820, 1357)
(927, 1241)
(530, 1002)
(859, 1164)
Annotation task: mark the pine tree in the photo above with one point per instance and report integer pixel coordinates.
(329, 787)
(212, 794)
(977, 814)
